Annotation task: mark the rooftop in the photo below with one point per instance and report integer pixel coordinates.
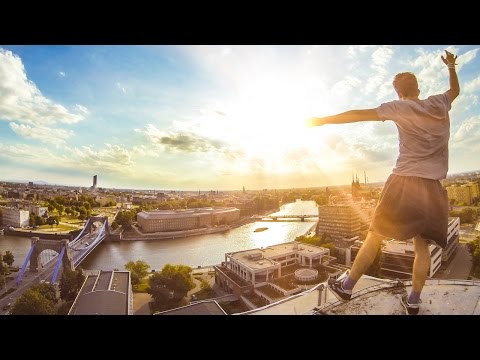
(260, 258)
(207, 307)
(374, 296)
(106, 293)
(165, 214)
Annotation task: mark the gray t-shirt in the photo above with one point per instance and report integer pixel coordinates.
(424, 130)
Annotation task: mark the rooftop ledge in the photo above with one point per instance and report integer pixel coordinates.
(374, 296)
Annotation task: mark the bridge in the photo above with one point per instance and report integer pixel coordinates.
(69, 253)
(276, 217)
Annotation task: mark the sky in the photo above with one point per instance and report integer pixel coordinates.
(216, 117)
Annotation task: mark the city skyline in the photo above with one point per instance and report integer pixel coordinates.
(215, 117)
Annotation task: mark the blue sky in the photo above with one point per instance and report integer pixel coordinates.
(215, 117)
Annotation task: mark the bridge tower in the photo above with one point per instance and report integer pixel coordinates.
(42, 244)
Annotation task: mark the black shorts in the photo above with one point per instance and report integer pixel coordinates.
(411, 206)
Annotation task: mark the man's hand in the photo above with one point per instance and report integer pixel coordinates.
(449, 59)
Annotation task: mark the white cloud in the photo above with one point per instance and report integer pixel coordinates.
(380, 60)
(432, 72)
(472, 85)
(62, 74)
(22, 101)
(121, 87)
(42, 133)
(469, 130)
(355, 49)
(82, 109)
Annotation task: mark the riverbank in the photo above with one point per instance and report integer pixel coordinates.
(43, 235)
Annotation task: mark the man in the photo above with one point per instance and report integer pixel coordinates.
(413, 203)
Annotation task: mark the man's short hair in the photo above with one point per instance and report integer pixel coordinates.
(406, 84)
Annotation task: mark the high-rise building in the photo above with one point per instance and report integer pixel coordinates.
(338, 221)
(94, 181)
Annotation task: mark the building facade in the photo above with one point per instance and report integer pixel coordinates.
(245, 270)
(397, 258)
(338, 221)
(177, 220)
(38, 210)
(15, 217)
(452, 238)
(461, 194)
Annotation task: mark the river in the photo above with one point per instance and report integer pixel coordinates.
(201, 250)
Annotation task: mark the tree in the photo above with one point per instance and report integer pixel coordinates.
(474, 248)
(138, 270)
(159, 290)
(31, 220)
(170, 285)
(48, 291)
(51, 221)
(70, 283)
(32, 302)
(114, 225)
(38, 220)
(8, 258)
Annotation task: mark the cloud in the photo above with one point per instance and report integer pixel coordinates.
(468, 131)
(472, 85)
(432, 72)
(380, 59)
(121, 87)
(82, 109)
(62, 74)
(355, 49)
(22, 101)
(42, 133)
(180, 141)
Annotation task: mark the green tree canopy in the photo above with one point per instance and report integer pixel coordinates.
(176, 278)
(47, 290)
(70, 283)
(138, 270)
(32, 302)
(8, 258)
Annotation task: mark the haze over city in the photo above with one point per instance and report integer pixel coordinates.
(215, 117)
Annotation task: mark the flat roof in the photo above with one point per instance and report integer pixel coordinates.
(170, 214)
(275, 251)
(208, 307)
(400, 247)
(106, 293)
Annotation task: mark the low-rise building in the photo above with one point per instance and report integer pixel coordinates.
(105, 293)
(397, 258)
(15, 217)
(176, 220)
(38, 210)
(243, 271)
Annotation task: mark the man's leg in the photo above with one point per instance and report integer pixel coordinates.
(421, 265)
(364, 259)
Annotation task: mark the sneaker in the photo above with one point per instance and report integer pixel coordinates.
(338, 290)
(410, 309)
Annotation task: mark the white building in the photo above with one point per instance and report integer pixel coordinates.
(398, 256)
(38, 210)
(15, 217)
(452, 238)
(244, 270)
(175, 220)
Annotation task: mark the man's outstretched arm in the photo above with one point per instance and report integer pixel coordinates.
(454, 90)
(344, 118)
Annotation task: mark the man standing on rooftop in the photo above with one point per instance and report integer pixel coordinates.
(413, 203)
